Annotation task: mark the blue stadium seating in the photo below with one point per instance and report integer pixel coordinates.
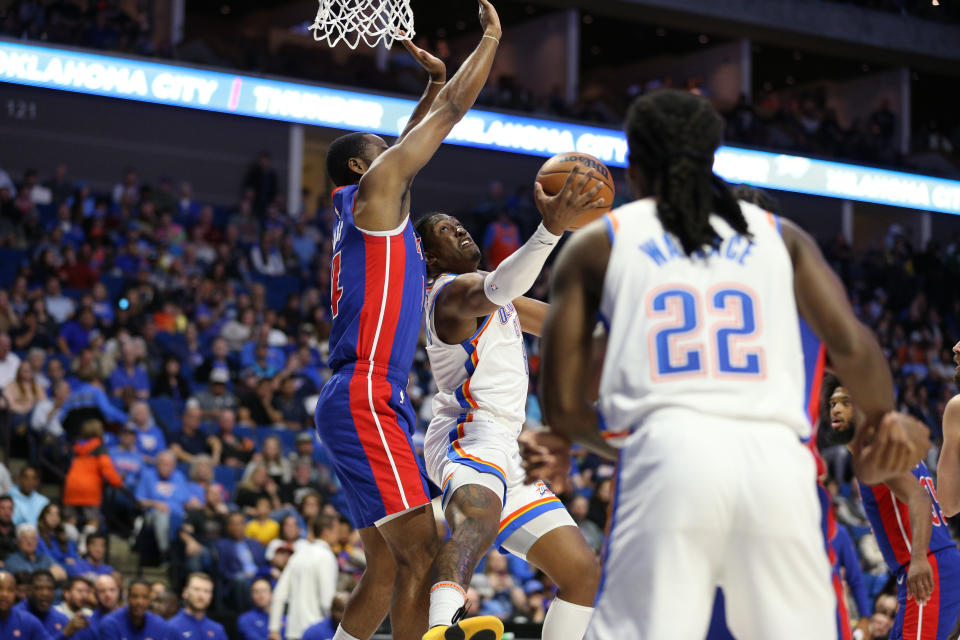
(287, 437)
(10, 262)
(167, 412)
(227, 476)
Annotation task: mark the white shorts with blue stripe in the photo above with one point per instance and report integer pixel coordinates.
(476, 449)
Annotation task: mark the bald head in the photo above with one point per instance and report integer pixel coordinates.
(8, 592)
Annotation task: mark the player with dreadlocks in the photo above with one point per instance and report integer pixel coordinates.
(701, 296)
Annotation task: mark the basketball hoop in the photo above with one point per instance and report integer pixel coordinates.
(370, 21)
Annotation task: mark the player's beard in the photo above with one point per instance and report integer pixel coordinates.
(834, 437)
(956, 375)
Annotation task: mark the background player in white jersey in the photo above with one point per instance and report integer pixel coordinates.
(475, 344)
(701, 390)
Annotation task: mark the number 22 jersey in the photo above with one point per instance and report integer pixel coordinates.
(717, 333)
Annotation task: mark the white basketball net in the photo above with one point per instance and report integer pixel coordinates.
(369, 21)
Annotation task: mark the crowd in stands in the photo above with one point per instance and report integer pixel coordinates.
(806, 125)
(101, 25)
(160, 359)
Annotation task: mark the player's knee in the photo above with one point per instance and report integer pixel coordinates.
(480, 528)
(581, 574)
(416, 556)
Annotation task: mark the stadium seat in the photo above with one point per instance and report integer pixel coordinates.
(167, 412)
(286, 436)
(227, 476)
(10, 262)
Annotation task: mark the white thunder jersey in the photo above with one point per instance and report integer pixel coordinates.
(487, 372)
(716, 334)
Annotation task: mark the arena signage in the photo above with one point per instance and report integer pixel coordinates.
(184, 86)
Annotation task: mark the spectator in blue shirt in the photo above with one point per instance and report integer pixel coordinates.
(163, 491)
(134, 621)
(89, 395)
(15, 622)
(265, 360)
(327, 628)
(127, 458)
(92, 563)
(27, 501)
(130, 374)
(27, 558)
(52, 537)
(75, 336)
(239, 560)
(254, 624)
(192, 621)
(39, 603)
(150, 438)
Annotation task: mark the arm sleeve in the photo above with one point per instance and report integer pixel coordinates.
(279, 601)
(519, 271)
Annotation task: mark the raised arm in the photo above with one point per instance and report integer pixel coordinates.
(567, 343)
(438, 77)
(920, 575)
(948, 468)
(474, 295)
(390, 175)
(885, 445)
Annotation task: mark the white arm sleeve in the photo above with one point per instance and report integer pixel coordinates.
(519, 271)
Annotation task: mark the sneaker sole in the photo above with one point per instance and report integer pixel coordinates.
(456, 633)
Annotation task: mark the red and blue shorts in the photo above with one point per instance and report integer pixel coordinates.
(937, 618)
(365, 420)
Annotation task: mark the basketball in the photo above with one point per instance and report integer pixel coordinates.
(554, 172)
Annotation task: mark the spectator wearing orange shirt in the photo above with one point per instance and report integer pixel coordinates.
(83, 489)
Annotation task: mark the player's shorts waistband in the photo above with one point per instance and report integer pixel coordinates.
(363, 367)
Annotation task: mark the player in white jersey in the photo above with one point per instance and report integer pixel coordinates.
(701, 393)
(475, 326)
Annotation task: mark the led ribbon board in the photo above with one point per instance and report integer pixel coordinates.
(184, 86)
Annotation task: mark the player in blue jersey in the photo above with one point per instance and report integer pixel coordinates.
(377, 285)
(39, 603)
(15, 623)
(192, 621)
(912, 535)
(134, 621)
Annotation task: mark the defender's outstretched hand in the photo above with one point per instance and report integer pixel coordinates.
(489, 20)
(431, 63)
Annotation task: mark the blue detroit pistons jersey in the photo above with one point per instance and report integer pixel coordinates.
(377, 288)
(890, 520)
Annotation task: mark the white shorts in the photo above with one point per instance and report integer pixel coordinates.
(476, 449)
(701, 503)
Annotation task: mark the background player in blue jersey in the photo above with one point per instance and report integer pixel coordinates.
(912, 535)
(15, 623)
(377, 282)
(134, 621)
(192, 621)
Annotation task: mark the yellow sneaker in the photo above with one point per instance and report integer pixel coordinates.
(479, 628)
